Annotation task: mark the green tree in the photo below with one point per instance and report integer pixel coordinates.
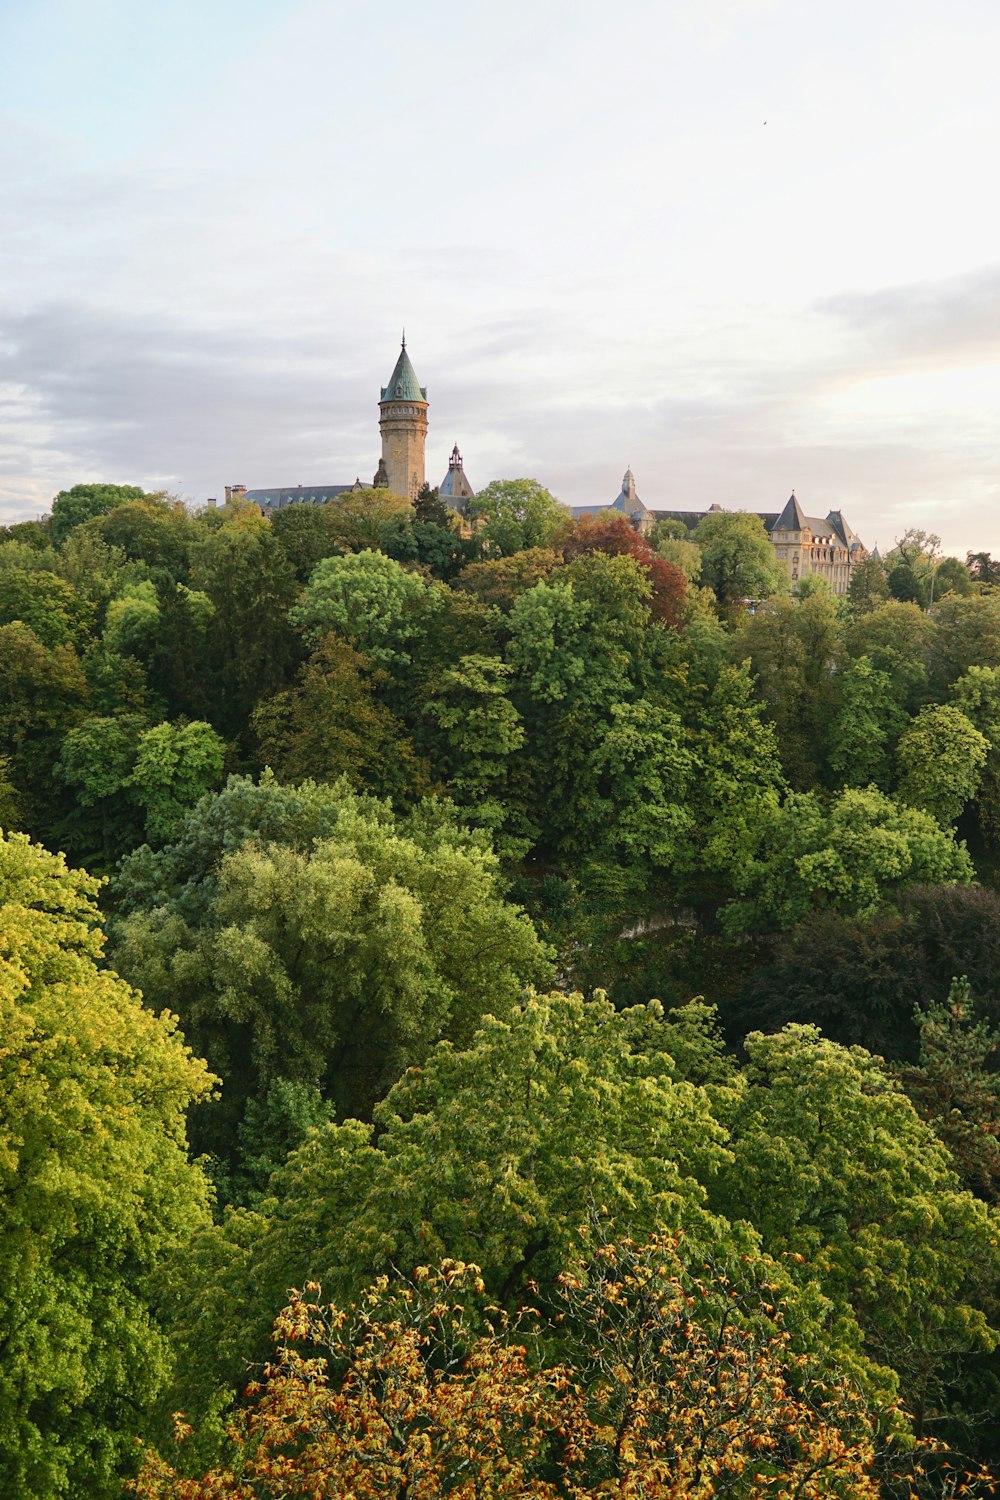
(738, 779)
(940, 758)
(977, 695)
(576, 645)
(966, 634)
(737, 559)
(154, 531)
(367, 599)
(249, 644)
(851, 856)
(83, 502)
(911, 566)
(95, 569)
(356, 519)
(489, 1151)
(96, 1187)
(43, 694)
(638, 822)
(865, 728)
(174, 766)
(896, 637)
(511, 515)
(565, 647)
(794, 649)
(339, 963)
(49, 605)
(479, 732)
(10, 798)
(304, 535)
(330, 725)
(833, 1167)
(954, 1085)
(500, 580)
(952, 577)
(682, 553)
(869, 586)
(862, 981)
(96, 762)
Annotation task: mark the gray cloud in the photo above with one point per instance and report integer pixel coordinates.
(955, 320)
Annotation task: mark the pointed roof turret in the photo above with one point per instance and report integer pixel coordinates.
(791, 518)
(454, 488)
(403, 383)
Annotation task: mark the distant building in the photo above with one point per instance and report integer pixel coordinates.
(402, 424)
(454, 489)
(627, 503)
(804, 545)
(276, 498)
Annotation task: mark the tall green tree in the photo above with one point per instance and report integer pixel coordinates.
(95, 1187)
(794, 649)
(833, 1167)
(511, 515)
(49, 605)
(336, 964)
(330, 724)
(479, 734)
(737, 559)
(250, 648)
(966, 634)
(83, 502)
(897, 638)
(941, 758)
(367, 599)
(865, 727)
(175, 764)
(852, 856)
(869, 586)
(43, 693)
(954, 1085)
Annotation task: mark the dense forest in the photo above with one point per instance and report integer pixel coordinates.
(493, 1007)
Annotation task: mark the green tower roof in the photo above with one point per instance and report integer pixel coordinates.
(403, 383)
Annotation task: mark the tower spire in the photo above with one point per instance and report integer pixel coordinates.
(403, 424)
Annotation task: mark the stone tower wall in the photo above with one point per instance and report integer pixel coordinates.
(403, 425)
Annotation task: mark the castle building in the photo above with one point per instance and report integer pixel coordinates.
(403, 427)
(804, 545)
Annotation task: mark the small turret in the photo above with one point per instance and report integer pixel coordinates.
(454, 489)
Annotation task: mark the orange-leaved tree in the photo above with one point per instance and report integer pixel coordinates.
(644, 1378)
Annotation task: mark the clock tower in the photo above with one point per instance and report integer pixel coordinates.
(403, 425)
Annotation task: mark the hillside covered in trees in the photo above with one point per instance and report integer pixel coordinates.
(493, 1009)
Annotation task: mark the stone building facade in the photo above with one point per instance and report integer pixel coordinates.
(403, 425)
(804, 545)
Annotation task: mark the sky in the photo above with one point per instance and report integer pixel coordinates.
(743, 246)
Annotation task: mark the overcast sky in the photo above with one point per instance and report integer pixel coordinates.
(745, 246)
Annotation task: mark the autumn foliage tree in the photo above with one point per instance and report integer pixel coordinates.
(672, 1380)
(617, 537)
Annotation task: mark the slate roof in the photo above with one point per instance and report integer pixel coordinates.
(791, 518)
(278, 496)
(455, 487)
(576, 511)
(403, 383)
(690, 518)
